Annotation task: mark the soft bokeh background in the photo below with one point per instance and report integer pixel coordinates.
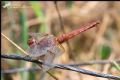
(102, 42)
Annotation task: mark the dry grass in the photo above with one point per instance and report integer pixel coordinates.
(83, 46)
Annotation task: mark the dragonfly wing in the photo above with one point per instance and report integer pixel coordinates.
(35, 51)
(49, 57)
(37, 34)
(57, 50)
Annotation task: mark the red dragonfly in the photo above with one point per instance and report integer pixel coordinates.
(46, 47)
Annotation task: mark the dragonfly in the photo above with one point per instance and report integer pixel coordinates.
(47, 47)
(44, 47)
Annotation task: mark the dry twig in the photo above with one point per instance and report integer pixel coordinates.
(60, 66)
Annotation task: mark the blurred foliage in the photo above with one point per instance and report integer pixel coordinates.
(23, 38)
(116, 65)
(32, 76)
(69, 4)
(104, 51)
(24, 29)
(21, 17)
(39, 13)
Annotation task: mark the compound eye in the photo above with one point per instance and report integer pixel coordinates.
(31, 41)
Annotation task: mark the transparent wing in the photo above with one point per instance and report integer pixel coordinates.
(46, 46)
(52, 53)
(49, 57)
(37, 34)
(35, 51)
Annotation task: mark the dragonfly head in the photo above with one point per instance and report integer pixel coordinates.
(31, 41)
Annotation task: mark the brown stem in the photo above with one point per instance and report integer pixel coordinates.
(60, 66)
(64, 37)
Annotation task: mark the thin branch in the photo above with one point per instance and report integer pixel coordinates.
(61, 22)
(10, 71)
(60, 66)
(52, 75)
(19, 70)
(78, 64)
(14, 44)
(62, 28)
(94, 62)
